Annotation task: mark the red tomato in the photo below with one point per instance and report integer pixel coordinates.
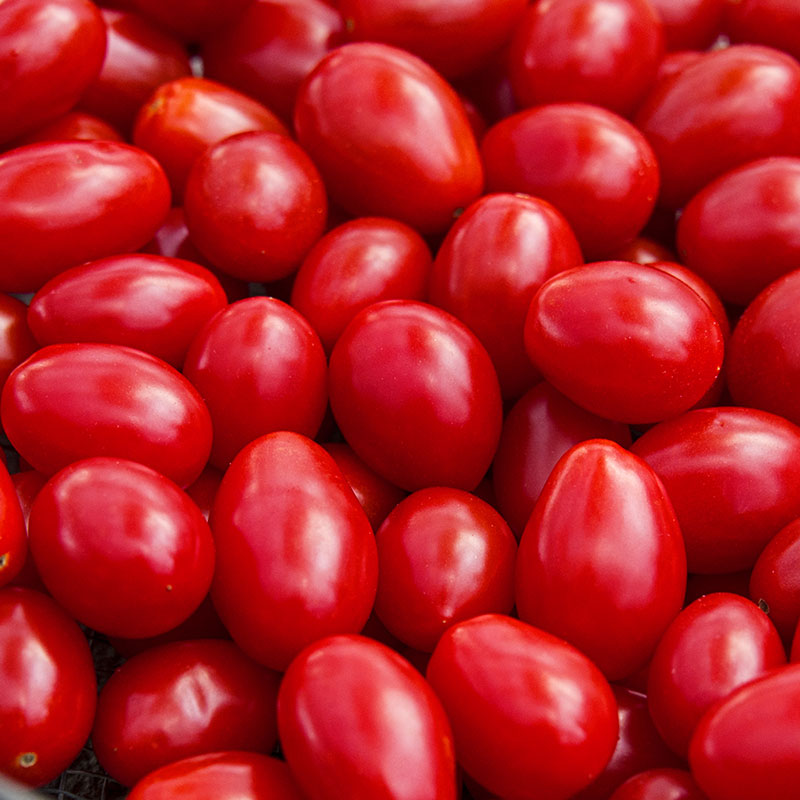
(733, 476)
(312, 572)
(624, 341)
(260, 367)
(180, 700)
(593, 166)
(73, 401)
(16, 339)
(63, 203)
(13, 534)
(148, 302)
(204, 489)
(604, 52)
(230, 775)
(102, 518)
(50, 51)
(772, 22)
(745, 746)
(27, 484)
(358, 263)
(715, 645)
(504, 685)
(690, 24)
(731, 106)
(603, 522)
(357, 720)
(192, 20)
(353, 115)
(48, 700)
(529, 241)
(254, 205)
(416, 396)
(643, 250)
(444, 556)
(72, 125)
(660, 784)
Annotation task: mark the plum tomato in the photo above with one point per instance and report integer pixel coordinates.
(13, 532)
(16, 340)
(74, 125)
(690, 24)
(771, 22)
(192, 20)
(660, 784)
(357, 720)
(416, 396)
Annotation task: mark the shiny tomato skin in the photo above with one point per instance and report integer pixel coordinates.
(49, 687)
(179, 700)
(272, 588)
(592, 165)
(771, 22)
(529, 241)
(538, 429)
(72, 125)
(263, 228)
(603, 523)
(63, 203)
(733, 105)
(343, 738)
(502, 683)
(101, 518)
(728, 507)
(599, 334)
(690, 24)
(745, 746)
(147, 302)
(16, 339)
(50, 51)
(353, 116)
(259, 367)
(716, 644)
(73, 401)
(13, 533)
(228, 775)
(660, 784)
(416, 396)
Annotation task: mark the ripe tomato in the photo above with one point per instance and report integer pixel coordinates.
(192, 20)
(13, 534)
(660, 784)
(772, 22)
(690, 24)
(72, 125)
(16, 339)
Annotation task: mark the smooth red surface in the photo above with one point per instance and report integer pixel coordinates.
(660, 784)
(13, 534)
(690, 24)
(16, 339)
(771, 22)
(72, 125)
(193, 20)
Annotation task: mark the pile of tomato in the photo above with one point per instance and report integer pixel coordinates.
(408, 391)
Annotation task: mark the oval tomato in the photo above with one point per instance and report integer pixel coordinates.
(16, 339)
(72, 125)
(13, 533)
(772, 22)
(660, 784)
(192, 20)
(690, 24)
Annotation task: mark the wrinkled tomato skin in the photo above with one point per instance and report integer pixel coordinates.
(502, 684)
(63, 203)
(50, 51)
(49, 687)
(73, 401)
(416, 396)
(604, 521)
(353, 114)
(728, 507)
(529, 241)
(660, 784)
(13, 533)
(341, 737)
(180, 700)
(147, 302)
(273, 589)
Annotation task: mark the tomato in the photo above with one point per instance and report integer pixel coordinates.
(148, 302)
(643, 250)
(604, 52)
(260, 367)
(312, 571)
(204, 489)
(504, 685)
(772, 22)
(356, 264)
(690, 24)
(16, 339)
(624, 341)
(73, 401)
(416, 396)
(63, 203)
(49, 688)
(50, 51)
(591, 164)
(353, 115)
(72, 125)
(733, 476)
(744, 746)
(455, 38)
(356, 720)
(660, 784)
(179, 700)
(13, 535)
(715, 645)
(731, 106)
(27, 484)
(230, 775)
(263, 229)
(192, 20)
(529, 241)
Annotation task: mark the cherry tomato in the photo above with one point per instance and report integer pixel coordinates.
(72, 125)
(192, 20)
(312, 571)
(772, 22)
(204, 489)
(353, 116)
(63, 203)
(180, 700)
(27, 484)
(690, 24)
(660, 784)
(16, 339)
(416, 396)
(49, 688)
(73, 401)
(357, 720)
(13, 535)
(504, 685)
